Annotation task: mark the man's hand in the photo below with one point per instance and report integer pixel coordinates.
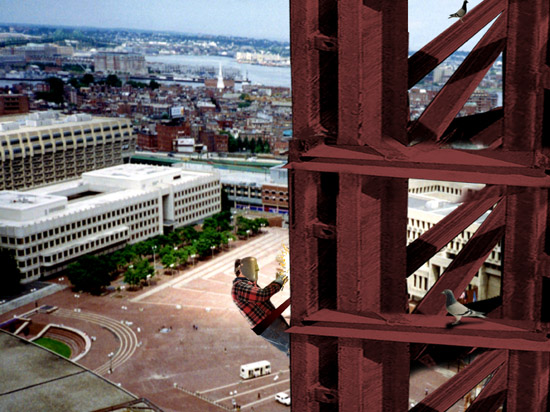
(281, 279)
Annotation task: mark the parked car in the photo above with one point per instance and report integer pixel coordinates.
(283, 398)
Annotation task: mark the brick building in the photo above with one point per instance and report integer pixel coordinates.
(168, 132)
(13, 104)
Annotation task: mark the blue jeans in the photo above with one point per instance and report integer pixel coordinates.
(276, 335)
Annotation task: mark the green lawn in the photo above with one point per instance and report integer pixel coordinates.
(54, 345)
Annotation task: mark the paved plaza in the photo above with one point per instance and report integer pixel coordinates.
(180, 342)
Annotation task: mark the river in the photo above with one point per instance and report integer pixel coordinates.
(264, 75)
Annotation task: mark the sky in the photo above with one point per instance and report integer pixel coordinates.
(267, 19)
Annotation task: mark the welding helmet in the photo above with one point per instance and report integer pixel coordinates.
(249, 268)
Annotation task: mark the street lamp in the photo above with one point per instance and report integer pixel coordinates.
(247, 234)
(262, 225)
(172, 268)
(234, 213)
(229, 241)
(110, 356)
(212, 248)
(154, 259)
(193, 257)
(148, 280)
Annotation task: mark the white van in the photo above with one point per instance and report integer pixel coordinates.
(283, 398)
(255, 369)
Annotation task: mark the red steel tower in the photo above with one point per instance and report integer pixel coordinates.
(353, 151)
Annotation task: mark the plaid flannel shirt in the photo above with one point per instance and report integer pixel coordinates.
(252, 300)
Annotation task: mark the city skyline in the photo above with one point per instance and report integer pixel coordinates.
(243, 18)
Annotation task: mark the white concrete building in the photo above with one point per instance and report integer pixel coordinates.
(429, 202)
(45, 147)
(50, 227)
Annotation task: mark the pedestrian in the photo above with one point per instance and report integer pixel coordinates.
(426, 392)
(259, 395)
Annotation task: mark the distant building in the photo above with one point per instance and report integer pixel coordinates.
(275, 197)
(13, 104)
(50, 227)
(429, 202)
(118, 62)
(185, 145)
(214, 142)
(44, 147)
(167, 133)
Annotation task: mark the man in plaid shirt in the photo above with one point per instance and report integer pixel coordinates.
(254, 303)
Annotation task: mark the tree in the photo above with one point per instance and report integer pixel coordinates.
(113, 81)
(153, 85)
(56, 92)
(89, 274)
(182, 255)
(169, 258)
(11, 274)
(87, 79)
(232, 144)
(138, 271)
(189, 234)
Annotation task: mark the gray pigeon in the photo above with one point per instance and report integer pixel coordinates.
(458, 310)
(460, 13)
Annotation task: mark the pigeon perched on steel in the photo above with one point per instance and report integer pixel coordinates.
(460, 13)
(458, 310)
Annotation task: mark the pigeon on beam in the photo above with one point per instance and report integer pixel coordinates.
(460, 13)
(458, 310)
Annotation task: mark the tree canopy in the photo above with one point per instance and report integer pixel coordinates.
(89, 274)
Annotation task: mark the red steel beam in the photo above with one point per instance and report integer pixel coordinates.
(522, 294)
(371, 220)
(486, 333)
(524, 62)
(432, 241)
(430, 56)
(421, 162)
(527, 381)
(372, 58)
(493, 394)
(459, 385)
(465, 265)
(305, 70)
(451, 98)
(304, 192)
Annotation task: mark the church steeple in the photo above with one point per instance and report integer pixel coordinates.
(220, 85)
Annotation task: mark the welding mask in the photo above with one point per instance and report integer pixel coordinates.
(249, 268)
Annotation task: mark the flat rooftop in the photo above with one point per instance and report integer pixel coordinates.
(139, 172)
(35, 379)
(22, 200)
(39, 121)
(427, 203)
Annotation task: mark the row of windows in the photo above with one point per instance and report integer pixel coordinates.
(281, 199)
(190, 199)
(66, 133)
(197, 215)
(419, 280)
(194, 206)
(80, 249)
(196, 189)
(107, 219)
(436, 188)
